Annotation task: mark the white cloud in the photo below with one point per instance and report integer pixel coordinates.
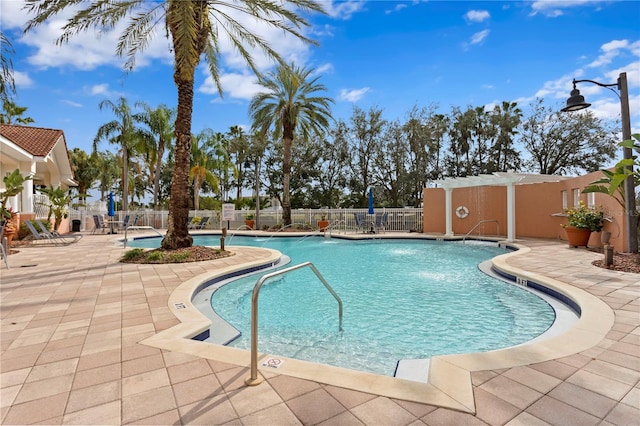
(22, 79)
(325, 69)
(101, 90)
(235, 85)
(479, 37)
(477, 15)
(611, 50)
(344, 9)
(397, 8)
(554, 8)
(71, 103)
(352, 95)
(12, 15)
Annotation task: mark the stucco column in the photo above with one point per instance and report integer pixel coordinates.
(448, 212)
(26, 196)
(511, 212)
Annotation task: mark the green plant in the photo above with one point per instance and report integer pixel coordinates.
(59, 199)
(132, 254)
(249, 216)
(612, 183)
(583, 217)
(13, 185)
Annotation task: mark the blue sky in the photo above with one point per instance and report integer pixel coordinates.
(389, 54)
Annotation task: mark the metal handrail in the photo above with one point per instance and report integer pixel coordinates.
(138, 227)
(254, 379)
(480, 223)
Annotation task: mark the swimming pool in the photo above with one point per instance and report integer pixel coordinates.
(402, 299)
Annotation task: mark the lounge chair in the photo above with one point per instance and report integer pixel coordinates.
(125, 223)
(202, 224)
(46, 238)
(361, 223)
(63, 239)
(381, 221)
(4, 250)
(99, 224)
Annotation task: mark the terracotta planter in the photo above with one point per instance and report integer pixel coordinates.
(250, 223)
(323, 224)
(11, 228)
(577, 237)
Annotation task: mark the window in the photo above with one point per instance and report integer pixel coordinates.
(591, 200)
(576, 197)
(565, 200)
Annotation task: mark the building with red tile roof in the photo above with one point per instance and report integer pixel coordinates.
(38, 152)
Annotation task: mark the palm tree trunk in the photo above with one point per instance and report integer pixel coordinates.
(177, 235)
(286, 172)
(156, 177)
(125, 178)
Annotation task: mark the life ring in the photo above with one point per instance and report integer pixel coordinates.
(462, 212)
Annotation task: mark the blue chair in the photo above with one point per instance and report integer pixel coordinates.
(361, 222)
(381, 221)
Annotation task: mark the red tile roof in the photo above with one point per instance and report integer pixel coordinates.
(37, 141)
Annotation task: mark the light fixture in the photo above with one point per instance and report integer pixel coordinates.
(576, 102)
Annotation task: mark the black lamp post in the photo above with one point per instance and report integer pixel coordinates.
(576, 102)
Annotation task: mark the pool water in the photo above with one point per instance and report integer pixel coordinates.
(403, 299)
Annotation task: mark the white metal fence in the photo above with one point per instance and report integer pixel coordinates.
(399, 219)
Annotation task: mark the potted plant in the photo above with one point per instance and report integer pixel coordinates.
(13, 185)
(323, 223)
(248, 220)
(582, 222)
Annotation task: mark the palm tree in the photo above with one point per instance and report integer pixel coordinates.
(195, 28)
(12, 113)
(159, 122)
(122, 132)
(238, 146)
(203, 160)
(291, 106)
(7, 83)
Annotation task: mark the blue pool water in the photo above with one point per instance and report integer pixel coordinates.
(403, 299)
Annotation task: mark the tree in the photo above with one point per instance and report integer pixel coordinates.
(202, 161)
(365, 140)
(292, 106)
(124, 133)
(506, 117)
(85, 171)
(566, 143)
(195, 28)
(12, 113)
(238, 149)
(159, 122)
(334, 166)
(107, 172)
(7, 83)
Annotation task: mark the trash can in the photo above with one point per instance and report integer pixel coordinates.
(75, 225)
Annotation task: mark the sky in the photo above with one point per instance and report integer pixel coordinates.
(391, 55)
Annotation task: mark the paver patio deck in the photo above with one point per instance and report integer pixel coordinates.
(72, 317)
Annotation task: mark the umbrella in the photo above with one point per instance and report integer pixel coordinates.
(370, 200)
(112, 207)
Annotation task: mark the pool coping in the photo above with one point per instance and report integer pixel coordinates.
(449, 379)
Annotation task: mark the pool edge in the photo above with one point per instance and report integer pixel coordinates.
(449, 382)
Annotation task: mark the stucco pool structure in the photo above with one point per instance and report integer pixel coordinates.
(88, 340)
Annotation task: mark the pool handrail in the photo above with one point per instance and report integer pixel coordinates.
(480, 223)
(254, 380)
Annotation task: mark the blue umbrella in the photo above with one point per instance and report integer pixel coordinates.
(112, 206)
(370, 200)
